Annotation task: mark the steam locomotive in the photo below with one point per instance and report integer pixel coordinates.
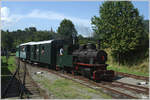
(84, 60)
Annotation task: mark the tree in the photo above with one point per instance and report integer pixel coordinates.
(53, 34)
(7, 41)
(120, 28)
(66, 30)
(146, 24)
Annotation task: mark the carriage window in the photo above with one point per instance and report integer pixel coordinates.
(37, 50)
(23, 49)
(43, 50)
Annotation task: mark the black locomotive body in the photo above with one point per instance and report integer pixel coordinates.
(91, 62)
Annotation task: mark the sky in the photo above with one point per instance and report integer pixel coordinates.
(45, 15)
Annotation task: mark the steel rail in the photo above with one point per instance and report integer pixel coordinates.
(127, 88)
(132, 76)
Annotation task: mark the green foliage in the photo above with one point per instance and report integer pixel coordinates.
(66, 30)
(7, 40)
(120, 28)
(85, 40)
(146, 25)
(10, 67)
(12, 39)
(140, 67)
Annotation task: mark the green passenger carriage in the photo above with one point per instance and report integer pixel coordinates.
(47, 52)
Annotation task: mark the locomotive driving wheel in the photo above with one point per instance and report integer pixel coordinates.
(86, 72)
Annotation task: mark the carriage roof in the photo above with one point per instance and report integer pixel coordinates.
(35, 43)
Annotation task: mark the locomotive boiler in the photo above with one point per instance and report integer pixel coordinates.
(90, 55)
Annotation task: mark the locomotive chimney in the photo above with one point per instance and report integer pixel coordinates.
(99, 44)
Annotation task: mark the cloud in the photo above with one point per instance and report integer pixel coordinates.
(84, 30)
(7, 19)
(82, 25)
(4, 14)
(46, 15)
(50, 15)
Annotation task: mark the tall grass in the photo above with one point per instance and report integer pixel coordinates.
(141, 67)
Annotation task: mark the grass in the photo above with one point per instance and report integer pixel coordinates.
(7, 69)
(140, 68)
(10, 65)
(67, 89)
(136, 70)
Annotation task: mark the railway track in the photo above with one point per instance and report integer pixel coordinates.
(21, 85)
(13, 88)
(115, 89)
(132, 76)
(32, 90)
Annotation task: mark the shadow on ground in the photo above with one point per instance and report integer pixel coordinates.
(14, 89)
(118, 78)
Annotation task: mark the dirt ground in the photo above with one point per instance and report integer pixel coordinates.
(59, 88)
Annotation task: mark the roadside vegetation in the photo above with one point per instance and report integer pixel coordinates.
(141, 67)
